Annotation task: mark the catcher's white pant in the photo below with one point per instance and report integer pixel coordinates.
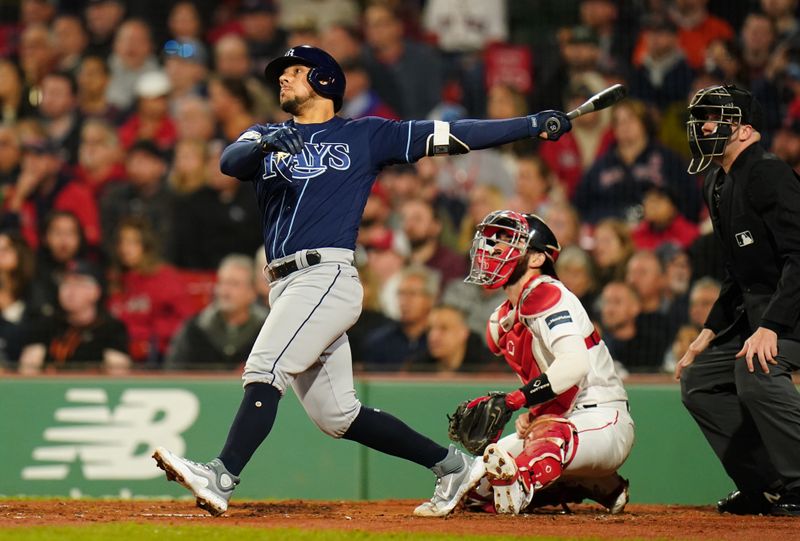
(303, 342)
(605, 438)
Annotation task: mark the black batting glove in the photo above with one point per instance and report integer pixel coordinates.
(284, 139)
(550, 125)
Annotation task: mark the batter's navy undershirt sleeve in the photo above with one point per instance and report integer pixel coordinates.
(241, 159)
(478, 134)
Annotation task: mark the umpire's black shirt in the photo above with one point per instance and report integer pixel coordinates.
(755, 209)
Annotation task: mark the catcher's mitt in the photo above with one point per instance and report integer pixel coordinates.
(479, 422)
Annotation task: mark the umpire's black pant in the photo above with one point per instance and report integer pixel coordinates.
(751, 420)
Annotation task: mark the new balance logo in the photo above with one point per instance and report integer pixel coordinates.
(108, 442)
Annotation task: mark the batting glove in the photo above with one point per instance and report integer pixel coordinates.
(284, 139)
(550, 124)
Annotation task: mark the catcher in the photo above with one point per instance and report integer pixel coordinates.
(577, 431)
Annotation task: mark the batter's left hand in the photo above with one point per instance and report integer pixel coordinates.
(550, 124)
(763, 345)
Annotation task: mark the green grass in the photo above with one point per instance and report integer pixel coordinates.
(164, 532)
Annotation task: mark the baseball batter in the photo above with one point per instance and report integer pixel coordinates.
(578, 430)
(312, 175)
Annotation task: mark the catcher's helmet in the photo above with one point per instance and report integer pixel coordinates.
(325, 76)
(729, 107)
(501, 240)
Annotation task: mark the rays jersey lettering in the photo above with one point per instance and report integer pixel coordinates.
(315, 160)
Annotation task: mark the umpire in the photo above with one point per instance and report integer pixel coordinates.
(736, 377)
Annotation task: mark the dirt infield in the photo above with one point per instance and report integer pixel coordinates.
(639, 521)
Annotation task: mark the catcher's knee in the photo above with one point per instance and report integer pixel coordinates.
(550, 445)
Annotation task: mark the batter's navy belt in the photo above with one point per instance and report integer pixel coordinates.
(284, 267)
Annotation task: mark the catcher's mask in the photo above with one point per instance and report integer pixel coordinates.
(501, 240)
(726, 106)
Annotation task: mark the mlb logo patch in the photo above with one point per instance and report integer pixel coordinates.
(558, 318)
(745, 238)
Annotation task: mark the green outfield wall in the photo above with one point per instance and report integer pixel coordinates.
(94, 436)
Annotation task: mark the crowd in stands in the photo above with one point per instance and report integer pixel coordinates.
(123, 247)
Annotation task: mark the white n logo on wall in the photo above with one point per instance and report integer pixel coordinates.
(114, 443)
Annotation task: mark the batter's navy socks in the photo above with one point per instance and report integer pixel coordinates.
(386, 433)
(251, 425)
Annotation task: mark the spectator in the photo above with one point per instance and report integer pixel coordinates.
(259, 24)
(613, 247)
(645, 274)
(407, 75)
(482, 201)
(82, 334)
(93, 77)
(222, 335)
(70, 40)
(194, 119)
(637, 348)
(664, 77)
(103, 17)
(188, 173)
(591, 136)
(696, 29)
(42, 186)
(375, 217)
(151, 120)
(217, 219)
(661, 222)
(422, 228)
(396, 343)
(324, 13)
(609, 19)
(146, 294)
(132, 57)
(783, 14)
(360, 99)
(186, 65)
(474, 302)
(144, 195)
(184, 22)
(386, 258)
(63, 244)
(16, 274)
(13, 103)
(99, 157)
(10, 157)
(232, 106)
(59, 114)
(758, 39)
(36, 58)
(342, 41)
(302, 31)
(615, 184)
(536, 186)
(677, 271)
(231, 60)
(564, 222)
(786, 143)
(576, 271)
(452, 347)
(702, 297)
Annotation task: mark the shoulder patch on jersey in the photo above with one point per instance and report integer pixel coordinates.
(251, 135)
(558, 318)
(539, 299)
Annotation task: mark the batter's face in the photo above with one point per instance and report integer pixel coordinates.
(295, 92)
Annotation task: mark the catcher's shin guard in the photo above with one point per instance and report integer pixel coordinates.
(549, 447)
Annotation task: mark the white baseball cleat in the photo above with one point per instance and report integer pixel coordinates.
(616, 504)
(511, 493)
(452, 488)
(211, 483)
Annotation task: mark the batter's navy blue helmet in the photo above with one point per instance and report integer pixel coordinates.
(325, 76)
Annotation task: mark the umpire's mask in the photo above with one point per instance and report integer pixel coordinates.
(727, 107)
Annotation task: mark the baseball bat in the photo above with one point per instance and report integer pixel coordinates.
(601, 100)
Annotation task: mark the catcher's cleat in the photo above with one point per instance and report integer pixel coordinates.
(452, 488)
(512, 491)
(617, 500)
(211, 483)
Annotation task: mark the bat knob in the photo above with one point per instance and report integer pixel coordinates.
(552, 125)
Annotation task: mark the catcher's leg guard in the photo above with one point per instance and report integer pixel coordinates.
(549, 446)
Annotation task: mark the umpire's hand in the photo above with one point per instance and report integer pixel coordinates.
(550, 124)
(284, 139)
